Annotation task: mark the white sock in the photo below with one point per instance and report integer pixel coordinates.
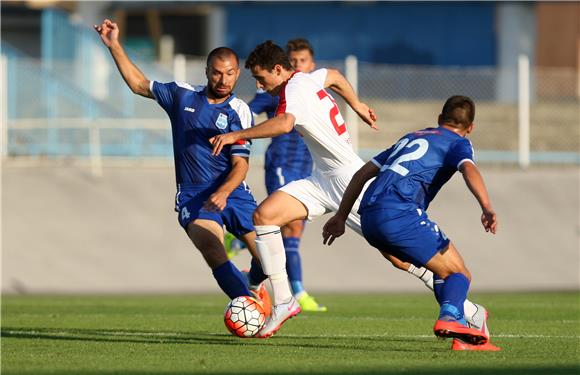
(273, 257)
(469, 309)
(422, 273)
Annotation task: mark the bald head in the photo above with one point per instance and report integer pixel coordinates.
(222, 53)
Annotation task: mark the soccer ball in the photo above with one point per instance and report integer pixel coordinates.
(244, 316)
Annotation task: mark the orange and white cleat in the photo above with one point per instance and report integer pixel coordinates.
(262, 295)
(280, 314)
(462, 345)
(453, 328)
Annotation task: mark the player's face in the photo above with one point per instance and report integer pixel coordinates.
(222, 75)
(302, 60)
(270, 81)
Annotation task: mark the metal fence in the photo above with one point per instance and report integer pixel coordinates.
(82, 108)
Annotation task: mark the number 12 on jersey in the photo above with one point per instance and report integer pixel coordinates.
(335, 116)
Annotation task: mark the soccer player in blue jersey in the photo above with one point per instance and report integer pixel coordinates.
(393, 211)
(288, 159)
(211, 191)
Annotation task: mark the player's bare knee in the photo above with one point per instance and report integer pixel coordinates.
(258, 217)
(293, 229)
(262, 216)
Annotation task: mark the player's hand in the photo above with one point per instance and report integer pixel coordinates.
(220, 141)
(108, 31)
(489, 220)
(367, 114)
(216, 202)
(333, 229)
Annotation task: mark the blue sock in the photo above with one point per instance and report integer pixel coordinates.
(231, 280)
(453, 295)
(438, 287)
(256, 275)
(293, 263)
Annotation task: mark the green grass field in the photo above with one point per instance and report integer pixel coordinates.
(361, 334)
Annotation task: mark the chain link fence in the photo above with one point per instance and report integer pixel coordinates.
(51, 109)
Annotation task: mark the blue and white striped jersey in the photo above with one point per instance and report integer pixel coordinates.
(193, 121)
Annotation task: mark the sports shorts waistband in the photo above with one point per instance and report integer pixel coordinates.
(348, 168)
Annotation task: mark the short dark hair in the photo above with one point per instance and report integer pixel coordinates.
(299, 44)
(221, 53)
(458, 111)
(267, 55)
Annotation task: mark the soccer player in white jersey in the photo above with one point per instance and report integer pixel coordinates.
(308, 107)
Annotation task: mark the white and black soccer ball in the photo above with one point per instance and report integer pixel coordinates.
(244, 316)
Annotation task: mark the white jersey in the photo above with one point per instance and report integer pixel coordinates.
(318, 120)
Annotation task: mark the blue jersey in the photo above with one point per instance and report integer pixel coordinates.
(286, 151)
(193, 121)
(414, 169)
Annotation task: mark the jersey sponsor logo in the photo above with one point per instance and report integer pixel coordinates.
(189, 109)
(222, 121)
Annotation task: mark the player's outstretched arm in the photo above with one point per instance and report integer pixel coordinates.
(273, 127)
(339, 84)
(334, 227)
(135, 79)
(474, 182)
(219, 199)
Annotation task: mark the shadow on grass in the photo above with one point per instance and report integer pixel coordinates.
(155, 337)
(376, 346)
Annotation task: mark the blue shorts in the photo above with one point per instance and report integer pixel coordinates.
(236, 216)
(278, 177)
(408, 235)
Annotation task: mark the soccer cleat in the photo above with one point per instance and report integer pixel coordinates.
(262, 295)
(280, 314)
(462, 345)
(308, 303)
(453, 328)
(479, 320)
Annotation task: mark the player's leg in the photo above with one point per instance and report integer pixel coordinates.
(422, 273)
(207, 236)
(473, 312)
(451, 284)
(237, 217)
(291, 235)
(275, 211)
(298, 200)
(412, 237)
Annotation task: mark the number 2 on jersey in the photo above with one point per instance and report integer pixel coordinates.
(334, 113)
(417, 154)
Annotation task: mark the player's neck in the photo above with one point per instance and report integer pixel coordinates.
(462, 132)
(287, 74)
(213, 99)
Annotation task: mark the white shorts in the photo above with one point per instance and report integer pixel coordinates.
(322, 193)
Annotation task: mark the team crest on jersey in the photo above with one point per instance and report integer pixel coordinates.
(221, 122)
